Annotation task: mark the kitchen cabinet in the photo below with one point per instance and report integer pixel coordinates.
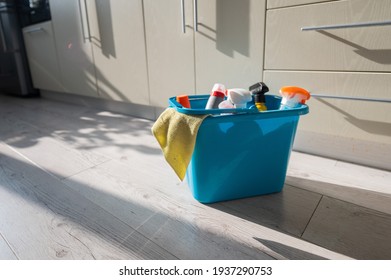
(74, 46)
(342, 49)
(42, 56)
(271, 4)
(118, 45)
(170, 50)
(347, 70)
(229, 43)
(192, 46)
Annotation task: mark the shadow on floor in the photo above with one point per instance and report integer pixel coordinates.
(135, 230)
(288, 251)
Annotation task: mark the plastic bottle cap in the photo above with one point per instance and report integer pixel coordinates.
(293, 91)
(183, 100)
(218, 90)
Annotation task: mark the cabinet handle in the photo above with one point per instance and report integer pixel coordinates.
(34, 30)
(2, 36)
(383, 100)
(183, 16)
(351, 25)
(195, 15)
(84, 16)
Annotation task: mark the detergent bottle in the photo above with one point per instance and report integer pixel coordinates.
(293, 96)
(239, 97)
(216, 97)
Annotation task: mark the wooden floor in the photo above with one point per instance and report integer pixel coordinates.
(80, 183)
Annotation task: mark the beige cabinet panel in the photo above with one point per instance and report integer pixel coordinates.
(357, 131)
(346, 49)
(229, 43)
(271, 4)
(227, 47)
(117, 35)
(42, 56)
(70, 26)
(170, 51)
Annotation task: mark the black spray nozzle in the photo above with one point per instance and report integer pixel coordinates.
(259, 90)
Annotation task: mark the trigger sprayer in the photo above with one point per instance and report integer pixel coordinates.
(239, 97)
(293, 96)
(258, 90)
(236, 98)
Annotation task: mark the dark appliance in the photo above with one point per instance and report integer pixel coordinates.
(14, 71)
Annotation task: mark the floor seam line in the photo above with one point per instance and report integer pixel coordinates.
(312, 215)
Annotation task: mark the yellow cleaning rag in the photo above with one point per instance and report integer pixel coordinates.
(176, 134)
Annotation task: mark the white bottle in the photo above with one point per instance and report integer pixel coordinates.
(239, 97)
(293, 97)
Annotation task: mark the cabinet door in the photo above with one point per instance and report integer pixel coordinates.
(272, 4)
(229, 43)
(364, 48)
(42, 57)
(70, 26)
(350, 130)
(117, 34)
(170, 52)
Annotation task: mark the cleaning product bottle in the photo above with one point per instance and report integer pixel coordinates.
(216, 97)
(183, 100)
(226, 104)
(239, 97)
(293, 96)
(258, 90)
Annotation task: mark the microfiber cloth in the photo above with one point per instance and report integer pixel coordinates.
(176, 134)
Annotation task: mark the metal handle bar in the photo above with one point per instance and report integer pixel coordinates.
(351, 25)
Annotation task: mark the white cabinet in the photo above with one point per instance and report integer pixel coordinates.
(271, 4)
(170, 51)
(227, 46)
(42, 56)
(346, 66)
(229, 43)
(118, 42)
(74, 49)
(341, 49)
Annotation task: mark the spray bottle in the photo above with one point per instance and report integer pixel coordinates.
(239, 97)
(236, 98)
(216, 97)
(293, 96)
(258, 90)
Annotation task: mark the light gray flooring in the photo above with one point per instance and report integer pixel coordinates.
(79, 183)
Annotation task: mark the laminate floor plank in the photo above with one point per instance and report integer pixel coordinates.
(288, 211)
(135, 200)
(50, 154)
(180, 218)
(113, 135)
(42, 218)
(353, 230)
(6, 252)
(361, 185)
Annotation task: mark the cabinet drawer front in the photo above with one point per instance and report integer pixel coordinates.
(357, 131)
(272, 4)
(345, 49)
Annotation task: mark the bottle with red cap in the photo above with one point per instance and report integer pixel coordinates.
(216, 97)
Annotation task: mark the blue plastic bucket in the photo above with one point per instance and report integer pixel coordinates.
(242, 154)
